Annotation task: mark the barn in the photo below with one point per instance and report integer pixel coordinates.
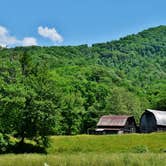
(116, 124)
(153, 120)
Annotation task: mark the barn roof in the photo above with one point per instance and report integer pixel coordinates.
(113, 120)
(159, 115)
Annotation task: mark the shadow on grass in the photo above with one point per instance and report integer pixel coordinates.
(19, 148)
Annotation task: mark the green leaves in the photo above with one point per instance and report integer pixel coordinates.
(27, 104)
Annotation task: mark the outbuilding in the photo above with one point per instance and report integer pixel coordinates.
(116, 124)
(152, 121)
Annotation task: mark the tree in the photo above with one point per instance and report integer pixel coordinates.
(28, 99)
(72, 112)
(123, 102)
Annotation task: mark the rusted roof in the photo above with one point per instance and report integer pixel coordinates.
(113, 120)
(160, 116)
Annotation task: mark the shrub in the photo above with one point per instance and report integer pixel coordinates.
(5, 143)
(140, 149)
(163, 150)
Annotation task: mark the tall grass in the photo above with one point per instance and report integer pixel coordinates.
(137, 143)
(90, 159)
(97, 150)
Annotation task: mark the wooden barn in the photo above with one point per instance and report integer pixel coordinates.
(116, 124)
(153, 120)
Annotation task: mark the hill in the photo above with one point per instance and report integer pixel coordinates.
(70, 87)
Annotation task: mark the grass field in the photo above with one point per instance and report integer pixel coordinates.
(97, 150)
(129, 143)
(82, 159)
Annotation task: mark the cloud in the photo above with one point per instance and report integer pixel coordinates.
(50, 33)
(29, 41)
(6, 40)
(3, 31)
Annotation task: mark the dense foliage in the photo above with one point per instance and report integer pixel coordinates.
(64, 90)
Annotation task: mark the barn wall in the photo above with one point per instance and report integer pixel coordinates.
(130, 126)
(161, 128)
(148, 123)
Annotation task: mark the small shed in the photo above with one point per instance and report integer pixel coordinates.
(116, 124)
(153, 120)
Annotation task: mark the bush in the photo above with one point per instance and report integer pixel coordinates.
(163, 150)
(5, 143)
(140, 149)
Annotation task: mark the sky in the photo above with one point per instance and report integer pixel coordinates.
(75, 22)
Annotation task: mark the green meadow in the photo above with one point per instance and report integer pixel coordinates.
(83, 159)
(96, 150)
(133, 143)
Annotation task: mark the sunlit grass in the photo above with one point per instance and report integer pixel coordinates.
(155, 142)
(97, 150)
(89, 159)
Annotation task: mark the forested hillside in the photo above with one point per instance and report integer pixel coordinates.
(65, 89)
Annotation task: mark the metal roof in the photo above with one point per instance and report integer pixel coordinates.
(159, 115)
(107, 129)
(113, 120)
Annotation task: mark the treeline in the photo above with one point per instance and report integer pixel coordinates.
(64, 90)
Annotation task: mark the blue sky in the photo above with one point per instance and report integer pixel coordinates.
(74, 22)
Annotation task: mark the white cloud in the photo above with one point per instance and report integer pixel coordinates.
(29, 41)
(3, 30)
(50, 33)
(7, 40)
